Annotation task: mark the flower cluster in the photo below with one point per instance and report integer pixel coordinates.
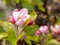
(19, 16)
(42, 29)
(55, 29)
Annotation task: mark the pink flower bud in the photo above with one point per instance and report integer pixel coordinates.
(12, 19)
(30, 22)
(58, 39)
(19, 22)
(37, 32)
(44, 29)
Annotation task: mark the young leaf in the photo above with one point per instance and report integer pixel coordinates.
(32, 38)
(28, 41)
(39, 3)
(41, 8)
(48, 37)
(33, 15)
(12, 37)
(11, 34)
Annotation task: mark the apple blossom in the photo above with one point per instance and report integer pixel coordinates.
(43, 29)
(55, 28)
(19, 16)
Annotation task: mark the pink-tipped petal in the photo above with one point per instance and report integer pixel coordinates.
(16, 15)
(11, 19)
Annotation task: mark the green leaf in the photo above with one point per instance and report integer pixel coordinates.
(39, 3)
(3, 35)
(11, 34)
(30, 29)
(27, 5)
(33, 15)
(12, 37)
(48, 37)
(53, 42)
(28, 41)
(32, 38)
(41, 8)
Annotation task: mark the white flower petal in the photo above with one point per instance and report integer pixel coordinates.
(15, 15)
(23, 12)
(26, 17)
